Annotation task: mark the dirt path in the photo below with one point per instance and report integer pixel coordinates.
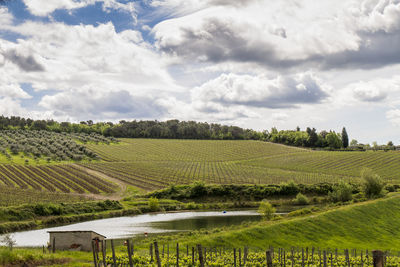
(118, 195)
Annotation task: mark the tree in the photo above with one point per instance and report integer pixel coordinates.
(390, 143)
(353, 142)
(9, 241)
(345, 138)
(333, 140)
(266, 210)
(373, 184)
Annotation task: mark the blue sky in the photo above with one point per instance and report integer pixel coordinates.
(251, 63)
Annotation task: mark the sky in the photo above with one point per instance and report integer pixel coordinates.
(252, 63)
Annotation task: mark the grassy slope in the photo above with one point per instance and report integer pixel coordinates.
(156, 163)
(370, 225)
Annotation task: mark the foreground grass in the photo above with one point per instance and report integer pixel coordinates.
(369, 225)
(36, 257)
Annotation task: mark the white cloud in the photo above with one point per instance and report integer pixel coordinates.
(5, 17)
(92, 103)
(378, 90)
(376, 15)
(75, 56)
(11, 107)
(394, 116)
(282, 34)
(261, 91)
(84, 60)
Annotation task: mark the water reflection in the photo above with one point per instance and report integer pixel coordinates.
(122, 227)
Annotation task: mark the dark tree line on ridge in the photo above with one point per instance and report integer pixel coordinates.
(175, 129)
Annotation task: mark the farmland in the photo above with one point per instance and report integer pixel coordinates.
(153, 163)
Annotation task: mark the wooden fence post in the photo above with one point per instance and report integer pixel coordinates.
(302, 257)
(346, 251)
(128, 243)
(157, 254)
(245, 255)
(192, 255)
(325, 264)
(362, 260)
(103, 252)
(377, 258)
(151, 252)
(113, 253)
(240, 257)
(268, 256)
(177, 254)
(200, 252)
(234, 257)
(94, 254)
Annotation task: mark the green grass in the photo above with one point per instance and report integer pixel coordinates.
(369, 225)
(156, 163)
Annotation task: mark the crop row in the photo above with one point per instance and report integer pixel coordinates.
(155, 175)
(189, 150)
(53, 178)
(386, 164)
(11, 196)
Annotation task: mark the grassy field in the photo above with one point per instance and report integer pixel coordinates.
(154, 163)
(150, 164)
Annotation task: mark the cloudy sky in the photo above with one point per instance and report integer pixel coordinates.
(251, 63)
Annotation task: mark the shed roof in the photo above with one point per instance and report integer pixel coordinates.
(72, 231)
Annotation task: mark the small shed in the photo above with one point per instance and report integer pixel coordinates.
(74, 240)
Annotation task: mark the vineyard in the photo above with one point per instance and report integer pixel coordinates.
(15, 196)
(153, 164)
(53, 178)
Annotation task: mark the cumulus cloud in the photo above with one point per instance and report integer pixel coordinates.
(90, 102)
(322, 34)
(70, 59)
(260, 91)
(11, 107)
(5, 17)
(24, 62)
(375, 90)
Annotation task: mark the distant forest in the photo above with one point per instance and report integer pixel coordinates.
(175, 129)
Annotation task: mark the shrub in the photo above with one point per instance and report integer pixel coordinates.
(373, 184)
(154, 204)
(342, 192)
(301, 199)
(266, 210)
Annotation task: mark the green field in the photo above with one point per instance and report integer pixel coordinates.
(155, 163)
(150, 164)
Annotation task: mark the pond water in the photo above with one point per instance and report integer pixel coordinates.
(122, 227)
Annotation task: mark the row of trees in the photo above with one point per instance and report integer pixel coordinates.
(175, 129)
(310, 138)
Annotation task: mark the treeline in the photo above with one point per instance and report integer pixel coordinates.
(171, 129)
(310, 138)
(175, 129)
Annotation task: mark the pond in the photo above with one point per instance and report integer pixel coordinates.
(122, 227)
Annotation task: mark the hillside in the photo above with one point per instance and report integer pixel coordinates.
(151, 164)
(156, 163)
(373, 224)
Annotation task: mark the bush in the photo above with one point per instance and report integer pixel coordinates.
(301, 199)
(266, 210)
(154, 204)
(342, 192)
(373, 184)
